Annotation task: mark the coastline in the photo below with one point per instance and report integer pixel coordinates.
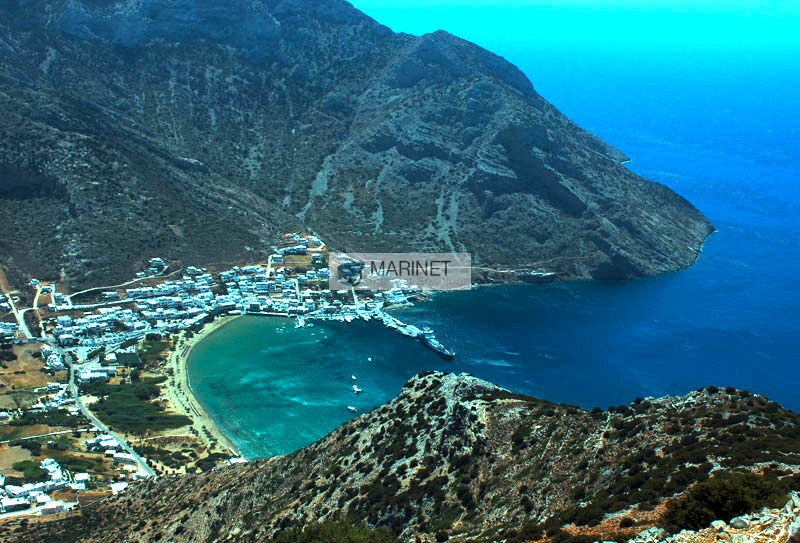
(182, 397)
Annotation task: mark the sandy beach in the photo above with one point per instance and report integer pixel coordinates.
(181, 397)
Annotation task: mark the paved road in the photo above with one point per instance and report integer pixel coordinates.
(36, 297)
(23, 324)
(20, 318)
(143, 467)
(104, 304)
(163, 275)
(35, 308)
(46, 435)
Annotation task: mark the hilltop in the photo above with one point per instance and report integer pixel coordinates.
(456, 457)
(200, 130)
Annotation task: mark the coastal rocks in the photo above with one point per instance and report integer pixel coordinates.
(719, 525)
(739, 522)
(650, 535)
(781, 525)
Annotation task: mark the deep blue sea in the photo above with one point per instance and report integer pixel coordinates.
(723, 130)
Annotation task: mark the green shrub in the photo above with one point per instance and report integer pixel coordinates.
(31, 471)
(7, 356)
(340, 531)
(208, 462)
(50, 418)
(127, 407)
(33, 446)
(722, 497)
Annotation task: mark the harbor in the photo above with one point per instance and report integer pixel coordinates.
(426, 336)
(291, 283)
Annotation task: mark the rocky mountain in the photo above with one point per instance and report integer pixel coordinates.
(200, 129)
(454, 457)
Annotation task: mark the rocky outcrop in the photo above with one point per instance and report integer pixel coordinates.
(767, 526)
(453, 455)
(793, 532)
(198, 130)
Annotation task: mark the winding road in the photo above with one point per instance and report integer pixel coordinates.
(143, 467)
(20, 316)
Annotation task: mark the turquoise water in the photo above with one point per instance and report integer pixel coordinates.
(273, 388)
(720, 126)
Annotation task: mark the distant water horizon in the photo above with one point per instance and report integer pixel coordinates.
(721, 130)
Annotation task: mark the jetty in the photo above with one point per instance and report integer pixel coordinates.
(350, 313)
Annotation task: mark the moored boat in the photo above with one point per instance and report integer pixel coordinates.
(428, 338)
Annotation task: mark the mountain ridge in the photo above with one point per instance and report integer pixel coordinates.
(310, 116)
(456, 455)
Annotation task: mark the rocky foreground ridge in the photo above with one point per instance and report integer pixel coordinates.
(199, 130)
(780, 525)
(456, 457)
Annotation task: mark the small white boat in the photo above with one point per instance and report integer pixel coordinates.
(356, 390)
(351, 408)
(353, 377)
(369, 359)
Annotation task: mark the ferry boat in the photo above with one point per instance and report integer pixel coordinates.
(428, 338)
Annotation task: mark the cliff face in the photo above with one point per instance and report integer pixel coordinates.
(455, 455)
(198, 130)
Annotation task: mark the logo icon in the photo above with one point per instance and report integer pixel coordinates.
(349, 272)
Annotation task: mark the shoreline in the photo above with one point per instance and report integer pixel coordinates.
(182, 397)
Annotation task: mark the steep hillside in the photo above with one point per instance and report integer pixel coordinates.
(197, 130)
(455, 456)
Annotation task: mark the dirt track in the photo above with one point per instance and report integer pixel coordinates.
(4, 286)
